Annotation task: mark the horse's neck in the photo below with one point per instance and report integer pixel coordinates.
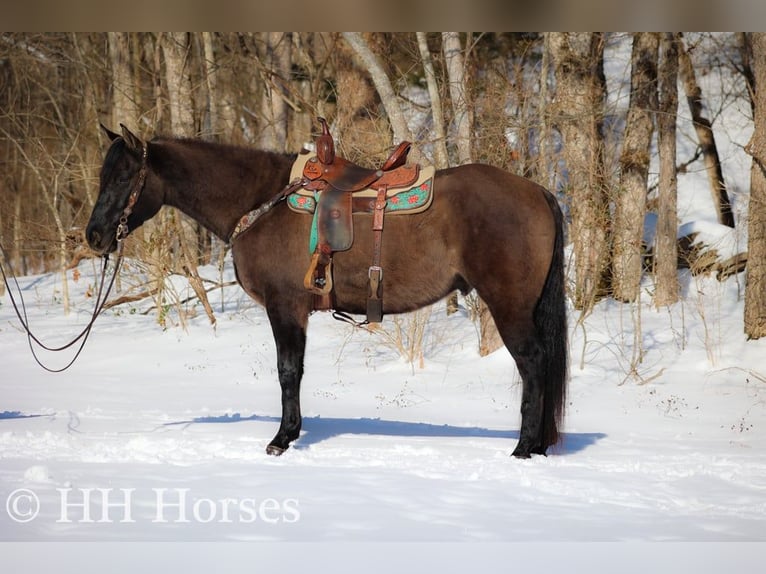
(217, 189)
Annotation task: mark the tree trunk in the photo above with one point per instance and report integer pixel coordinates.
(489, 338)
(19, 261)
(630, 203)
(210, 121)
(366, 134)
(90, 152)
(220, 126)
(666, 244)
(578, 60)
(276, 61)
(223, 114)
(309, 53)
(745, 46)
(124, 108)
(461, 112)
(177, 49)
(704, 129)
(441, 159)
(546, 173)
(755, 285)
(385, 90)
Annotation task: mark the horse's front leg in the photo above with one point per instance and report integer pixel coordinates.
(290, 337)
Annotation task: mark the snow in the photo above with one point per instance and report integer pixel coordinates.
(159, 434)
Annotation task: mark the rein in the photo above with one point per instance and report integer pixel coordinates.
(247, 220)
(121, 233)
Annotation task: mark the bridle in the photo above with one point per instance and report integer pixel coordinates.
(135, 192)
(120, 234)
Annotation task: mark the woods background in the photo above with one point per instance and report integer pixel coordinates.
(534, 104)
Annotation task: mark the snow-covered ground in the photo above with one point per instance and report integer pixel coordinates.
(160, 434)
(163, 432)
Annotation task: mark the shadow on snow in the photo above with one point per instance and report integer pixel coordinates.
(10, 415)
(318, 429)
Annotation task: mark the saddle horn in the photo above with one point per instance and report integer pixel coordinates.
(325, 144)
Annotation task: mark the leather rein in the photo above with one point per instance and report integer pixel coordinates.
(246, 221)
(120, 234)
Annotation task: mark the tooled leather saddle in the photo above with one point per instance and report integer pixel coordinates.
(334, 188)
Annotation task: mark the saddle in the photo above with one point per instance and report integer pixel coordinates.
(333, 189)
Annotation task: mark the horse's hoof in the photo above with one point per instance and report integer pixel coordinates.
(274, 450)
(523, 453)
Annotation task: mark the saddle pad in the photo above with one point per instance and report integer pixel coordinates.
(414, 199)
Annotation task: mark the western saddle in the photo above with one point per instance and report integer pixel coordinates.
(339, 189)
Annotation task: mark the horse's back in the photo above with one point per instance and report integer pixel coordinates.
(487, 191)
(492, 208)
(504, 224)
(486, 229)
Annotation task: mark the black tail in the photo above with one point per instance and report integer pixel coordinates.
(550, 319)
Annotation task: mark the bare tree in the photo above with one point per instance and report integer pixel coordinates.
(41, 127)
(441, 159)
(578, 60)
(275, 64)
(745, 47)
(630, 202)
(124, 91)
(221, 118)
(88, 154)
(311, 54)
(704, 128)
(545, 172)
(124, 108)
(755, 287)
(177, 49)
(50, 174)
(461, 111)
(462, 120)
(385, 89)
(666, 245)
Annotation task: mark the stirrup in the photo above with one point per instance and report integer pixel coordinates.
(318, 278)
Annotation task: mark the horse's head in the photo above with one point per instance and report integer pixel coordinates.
(121, 178)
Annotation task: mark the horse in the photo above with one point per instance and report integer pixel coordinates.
(486, 230)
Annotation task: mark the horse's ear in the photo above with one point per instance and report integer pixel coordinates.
(110, 134)
(133, 141)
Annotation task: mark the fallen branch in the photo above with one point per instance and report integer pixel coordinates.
(152, 292)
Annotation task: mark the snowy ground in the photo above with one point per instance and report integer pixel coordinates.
(163, 433)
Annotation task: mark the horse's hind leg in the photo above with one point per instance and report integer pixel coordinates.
(290, 337)
(528, 352)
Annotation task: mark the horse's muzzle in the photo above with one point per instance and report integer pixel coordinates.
(100, 243)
